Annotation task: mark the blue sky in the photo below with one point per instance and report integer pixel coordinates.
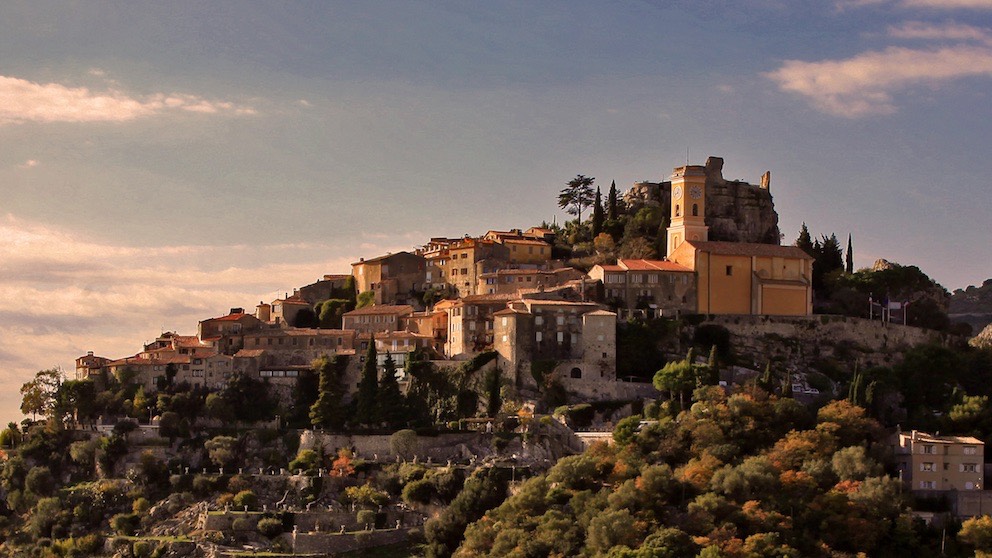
(162, 162)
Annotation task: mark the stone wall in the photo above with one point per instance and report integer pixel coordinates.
(806, 341)
(332, 544)
(439, 448)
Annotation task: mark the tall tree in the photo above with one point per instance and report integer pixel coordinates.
(805, 241)
(39, 395)
(611, 202)
(391, 408)
(368, 387)
(327, 412)
(597, 214)
(850, 255)
(577, 195)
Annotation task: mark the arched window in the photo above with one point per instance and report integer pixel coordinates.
(577, 373)
(695, 210)
(678, 210)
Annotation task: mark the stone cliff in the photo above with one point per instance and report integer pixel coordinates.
(736, 211)
(973, 306)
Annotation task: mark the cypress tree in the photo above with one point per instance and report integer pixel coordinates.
(850, 256)
(327, 412)
(597, 214)
(805, 241)
(611, 202)
(368, 387)
(390, 401)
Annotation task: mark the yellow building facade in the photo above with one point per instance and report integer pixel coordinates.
(734, 277)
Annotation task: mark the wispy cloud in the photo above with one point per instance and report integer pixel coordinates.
(64, 294)
(917, 4)
(865, 84)
(26, 101)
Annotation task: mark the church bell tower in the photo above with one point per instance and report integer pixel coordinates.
(688, 206)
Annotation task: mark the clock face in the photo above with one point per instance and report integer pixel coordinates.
(696, 192)
(677, 192)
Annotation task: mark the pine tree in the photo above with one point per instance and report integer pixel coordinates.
(368, 387)
(389, 403)
(805, 241)
(611, 202)
(597, 214)
(850, 256)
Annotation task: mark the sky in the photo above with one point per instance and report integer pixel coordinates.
(162, 162)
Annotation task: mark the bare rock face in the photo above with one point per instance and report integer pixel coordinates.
(983, 339)
(736, 211)
(881, 265)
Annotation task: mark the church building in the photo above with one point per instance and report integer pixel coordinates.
(734, 277)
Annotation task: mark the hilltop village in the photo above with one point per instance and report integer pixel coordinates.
(662, 379)
(452, 299)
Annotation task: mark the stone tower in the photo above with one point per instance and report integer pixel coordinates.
(688, 206)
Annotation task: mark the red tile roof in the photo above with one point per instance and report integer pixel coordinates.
(749, 249)
(382, 309)
(652, 265)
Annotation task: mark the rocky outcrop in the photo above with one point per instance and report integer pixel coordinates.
(736, 211)
(983, 339)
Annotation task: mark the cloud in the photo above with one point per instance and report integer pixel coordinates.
(918, 4)
(64, 294)
(29, 164)
(25, 101)
(945, 32)
(866, 83)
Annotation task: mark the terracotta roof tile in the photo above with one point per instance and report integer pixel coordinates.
(382, 309)
(652, 265)
(749, 249)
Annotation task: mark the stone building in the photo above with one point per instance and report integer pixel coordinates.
(394, 278)
(226, 333)
(511, 281)
(933, 463)
(470, 258)
(470, 323)
(377, 319)
(573, 341)
(648, 288)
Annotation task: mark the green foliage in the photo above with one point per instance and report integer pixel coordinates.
(251, 399)
(390, 407)
(403, 443)
(626, 429)
(245, 498)
(418, 492)
(328, 411)
(39, 396)
(366, 495)
(576, 196)
(366, 410)
(331, 311)
(270, 527)
(222, 450)
(125, 523)
(306, 460)
(484, 490)
(365, 518)
(364, 299)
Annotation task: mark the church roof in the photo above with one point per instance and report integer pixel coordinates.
(749, 249)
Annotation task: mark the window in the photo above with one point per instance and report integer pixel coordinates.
(969, 450)
(695, 210)
(561, 321)
(969, 468)
(730, 270)
(538, 336)
(576, 373)
(926, 467)
(928, 449)
(538, 320)
(504, 321)
(561, 336)
(928, 485)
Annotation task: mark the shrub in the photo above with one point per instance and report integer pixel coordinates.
(125, 523)
(142, 549)
(203, 485)
(270, 527)
(242, 524)
(418, 492)
(365, 517)
(245, 498)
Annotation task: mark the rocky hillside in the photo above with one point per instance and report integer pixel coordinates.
(973, 306)
(736, 211)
